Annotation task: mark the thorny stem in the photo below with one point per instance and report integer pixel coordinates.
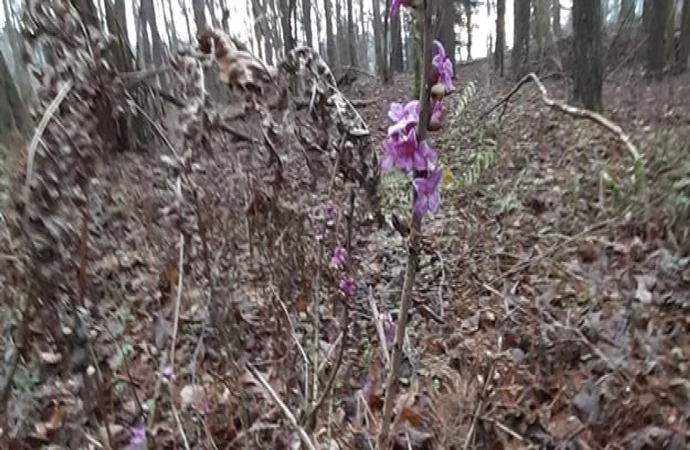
(415, 235)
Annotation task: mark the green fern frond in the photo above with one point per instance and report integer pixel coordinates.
(465, 97)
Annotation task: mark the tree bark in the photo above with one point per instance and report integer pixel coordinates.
(556, 18)
(656, 43)
(499, 54)
(684, 44)
(330, 34)
(468, 24)
(13, 114)
(445, 13)
(351, 35)
(520, 55)
(396, 63)
(286, 12)
(306, 21)
(199, 16)
(627, 11)
(378, 33)
(588, 70)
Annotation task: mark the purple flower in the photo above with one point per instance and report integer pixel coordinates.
(403, 117)
(389, 329)
(347, 286)
(338, 258)
(167, 372)
(329, 213)
(428, 196)
(406, 153)
(395, 7)
(138, 436)
(441, 68)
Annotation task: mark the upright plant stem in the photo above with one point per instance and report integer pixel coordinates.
(415, 235)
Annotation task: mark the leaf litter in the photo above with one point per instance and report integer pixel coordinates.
(549, 310)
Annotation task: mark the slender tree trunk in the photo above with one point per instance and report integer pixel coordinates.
(259, 19)
(647, 15)
(185, 12)
(286, 12)
(173, 27)
(684, 44)
(499, 55)
(445, 12)
(386, 67)
(330, 33)
(13, 114)
(378, 34)
(520, 55)
(199, 9)
(468, 18)
(556, 18)
(627, 11)
(351, 35)
(656, 60)
(396, 63)
(588, 70)
(306, 21)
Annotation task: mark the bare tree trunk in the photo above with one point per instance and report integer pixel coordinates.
(684, 45)
(13, 114)
(588, 70)
(499, 55)
(670, 39)
(212, 10)
(647, 15)
(183, 5)
(468, 23)
(627, 11)
(445, 13)
(520, 55)
(330, 35)
(199, 9)
(556, 18)
(306, 21)
(385, 69)
(378, 34)
(351, 35)
(340, 32)
(286, 13)
(259, 19)
(656, 60)
(541, 26)
(396, 63)
(173, 27)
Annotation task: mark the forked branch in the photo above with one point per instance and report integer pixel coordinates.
(573, 111)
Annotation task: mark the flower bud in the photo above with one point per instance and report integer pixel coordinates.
(438, 91)
(434, 125)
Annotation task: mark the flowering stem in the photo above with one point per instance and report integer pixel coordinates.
(415, 232)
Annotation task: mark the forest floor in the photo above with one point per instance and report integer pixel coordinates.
(550, 308)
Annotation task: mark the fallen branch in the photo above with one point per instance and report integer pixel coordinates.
(573, 111)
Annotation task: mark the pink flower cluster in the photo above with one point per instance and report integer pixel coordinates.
(403, 151)
(339, 257)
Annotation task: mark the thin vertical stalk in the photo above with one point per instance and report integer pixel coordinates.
(415, 233)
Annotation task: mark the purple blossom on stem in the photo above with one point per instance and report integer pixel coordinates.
(347, 286)
(441, 68)
(406, 153)
(138, 436)
(167, 372)
(329, 213)
(338, 258)
(404, 117)
(389, 329)
(428, 196)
